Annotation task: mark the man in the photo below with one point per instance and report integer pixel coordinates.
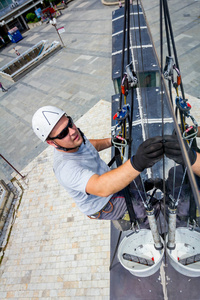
(96, 189)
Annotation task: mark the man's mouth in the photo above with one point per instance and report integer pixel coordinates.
(76, 138)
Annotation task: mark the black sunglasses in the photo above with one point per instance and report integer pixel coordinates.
(65, 131)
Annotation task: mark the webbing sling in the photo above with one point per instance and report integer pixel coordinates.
(126, 192)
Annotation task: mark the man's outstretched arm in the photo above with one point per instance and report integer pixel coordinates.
(148, 153)
(113, 181)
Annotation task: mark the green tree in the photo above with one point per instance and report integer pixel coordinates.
(31, 17)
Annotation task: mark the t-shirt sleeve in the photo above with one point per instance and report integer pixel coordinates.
(76, 180)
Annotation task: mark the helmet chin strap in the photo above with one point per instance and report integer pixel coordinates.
(68, 149)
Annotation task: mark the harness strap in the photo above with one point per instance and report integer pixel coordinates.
(97, 215)
(111, 162)
(192, 208)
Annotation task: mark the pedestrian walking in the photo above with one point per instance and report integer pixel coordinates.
(17, 52)
(2, 88)
(3, 42)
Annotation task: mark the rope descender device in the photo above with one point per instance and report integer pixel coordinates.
(129, 79)
(191, 131)
(119, 117)
(118, 136)
(122, 114)
(168, 72)
(184, 107)
(132, 77)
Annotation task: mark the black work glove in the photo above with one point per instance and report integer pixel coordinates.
(172, 150)
(148, 153)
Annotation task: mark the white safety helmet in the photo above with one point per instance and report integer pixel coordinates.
(45, 119)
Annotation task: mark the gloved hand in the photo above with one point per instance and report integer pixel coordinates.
(148, 153)
(173, 151)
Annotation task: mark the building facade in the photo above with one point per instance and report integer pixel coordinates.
(13, 12)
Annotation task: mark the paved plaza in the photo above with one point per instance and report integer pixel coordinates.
(79, 75)
(75, 78)
(55, 252)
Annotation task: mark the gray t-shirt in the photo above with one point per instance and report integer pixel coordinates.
(73, 170)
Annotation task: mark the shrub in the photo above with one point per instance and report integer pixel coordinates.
(30, 17)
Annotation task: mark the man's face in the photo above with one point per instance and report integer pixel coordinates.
(71, 140)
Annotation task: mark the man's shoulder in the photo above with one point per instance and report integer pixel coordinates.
(59, 160)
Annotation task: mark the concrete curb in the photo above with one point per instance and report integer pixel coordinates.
(109, 3)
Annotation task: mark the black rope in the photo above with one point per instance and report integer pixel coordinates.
(123, 51)
(146, 127)
(170, 37)
(128, 34)
(168, 21)
(166, 29)
(117, 157)
(162, 101)
(168, 47)
(173, 43)
(130, 125)
(126, 42)
(162, 114)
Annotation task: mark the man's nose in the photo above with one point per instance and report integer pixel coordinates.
(72, 130)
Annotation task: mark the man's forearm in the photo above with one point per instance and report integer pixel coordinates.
(112, 181)
(101, 144)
